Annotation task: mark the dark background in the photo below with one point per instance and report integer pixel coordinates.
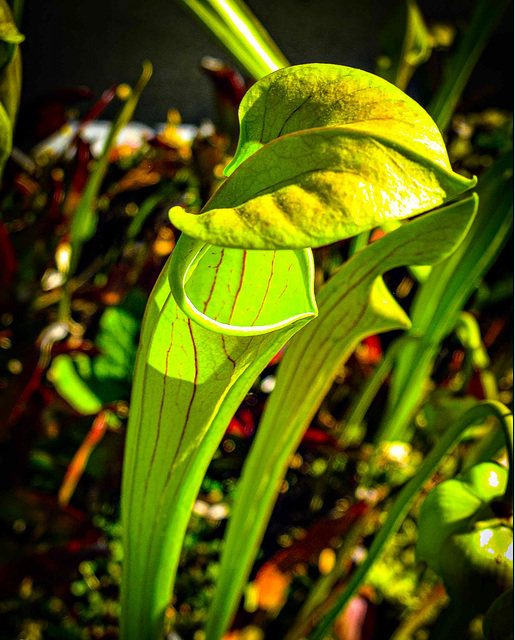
(101, 42)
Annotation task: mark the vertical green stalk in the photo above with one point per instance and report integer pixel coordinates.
(237, 30)
(84, 218)
(192, 372)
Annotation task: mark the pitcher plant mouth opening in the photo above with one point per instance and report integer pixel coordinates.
(254, 316)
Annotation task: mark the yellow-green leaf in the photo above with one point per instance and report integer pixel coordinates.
(346, 157)
(326, 95)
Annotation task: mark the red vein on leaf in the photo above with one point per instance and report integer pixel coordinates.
(214, 280)
(243, 263)
(267, 289)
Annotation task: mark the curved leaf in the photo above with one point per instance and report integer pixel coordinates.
(326, 95)
(189, 382)
(454, 505)
(8, 30)
(301, 191)
(353, 304)
(192, 268)
(303, 162)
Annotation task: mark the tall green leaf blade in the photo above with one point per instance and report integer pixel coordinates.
(84, 219)
(437, 304)
(189, 381)
(353, 304)
(484, 20)
(238, 31)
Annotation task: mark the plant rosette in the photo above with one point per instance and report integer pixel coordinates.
(463, 541)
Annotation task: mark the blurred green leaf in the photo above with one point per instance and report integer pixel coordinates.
(472, 43)
(88, 383)
(84, 218)
(453, 507)
(10, 87)
(498, 620)
(10, 79)
(469, 334)
(65, 378)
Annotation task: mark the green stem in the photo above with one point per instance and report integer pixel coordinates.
(83, 222)
(408, 494)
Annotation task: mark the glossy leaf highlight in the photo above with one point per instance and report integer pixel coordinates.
(309, 179)
(454, 505)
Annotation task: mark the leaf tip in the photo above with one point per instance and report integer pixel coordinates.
(177, 216)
